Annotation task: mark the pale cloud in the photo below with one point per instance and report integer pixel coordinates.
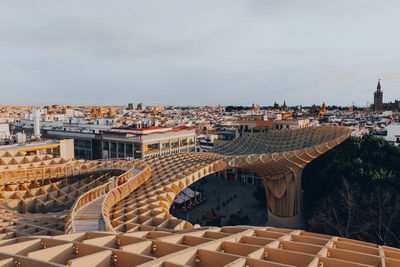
(197, 52)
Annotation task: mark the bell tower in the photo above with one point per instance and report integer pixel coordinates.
(378, 97)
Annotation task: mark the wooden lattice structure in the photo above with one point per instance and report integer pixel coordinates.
(120, 211)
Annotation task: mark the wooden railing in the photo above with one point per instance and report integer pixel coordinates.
(127, 166)
(82, 201)
(133, 181)
(57, 171)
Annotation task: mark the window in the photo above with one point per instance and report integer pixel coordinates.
(129, 150)
(105, 145)
(121, 150)
(113, 150)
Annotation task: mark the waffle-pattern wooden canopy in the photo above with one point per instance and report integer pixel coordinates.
(120, 213)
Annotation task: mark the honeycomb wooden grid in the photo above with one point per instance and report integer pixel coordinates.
(226, 246)
(135, 204)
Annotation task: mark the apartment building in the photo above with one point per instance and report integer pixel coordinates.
(128, 142)
(148, 142)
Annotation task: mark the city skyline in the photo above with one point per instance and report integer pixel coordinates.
(186, 53)
(179, 133)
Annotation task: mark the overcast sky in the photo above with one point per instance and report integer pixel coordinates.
(198, 52)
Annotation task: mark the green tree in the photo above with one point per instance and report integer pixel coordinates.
(353, 191)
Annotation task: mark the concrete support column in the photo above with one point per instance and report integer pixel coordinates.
(294, 222)
(284, 200)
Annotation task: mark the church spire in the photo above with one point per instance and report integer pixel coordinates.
(379, 85)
